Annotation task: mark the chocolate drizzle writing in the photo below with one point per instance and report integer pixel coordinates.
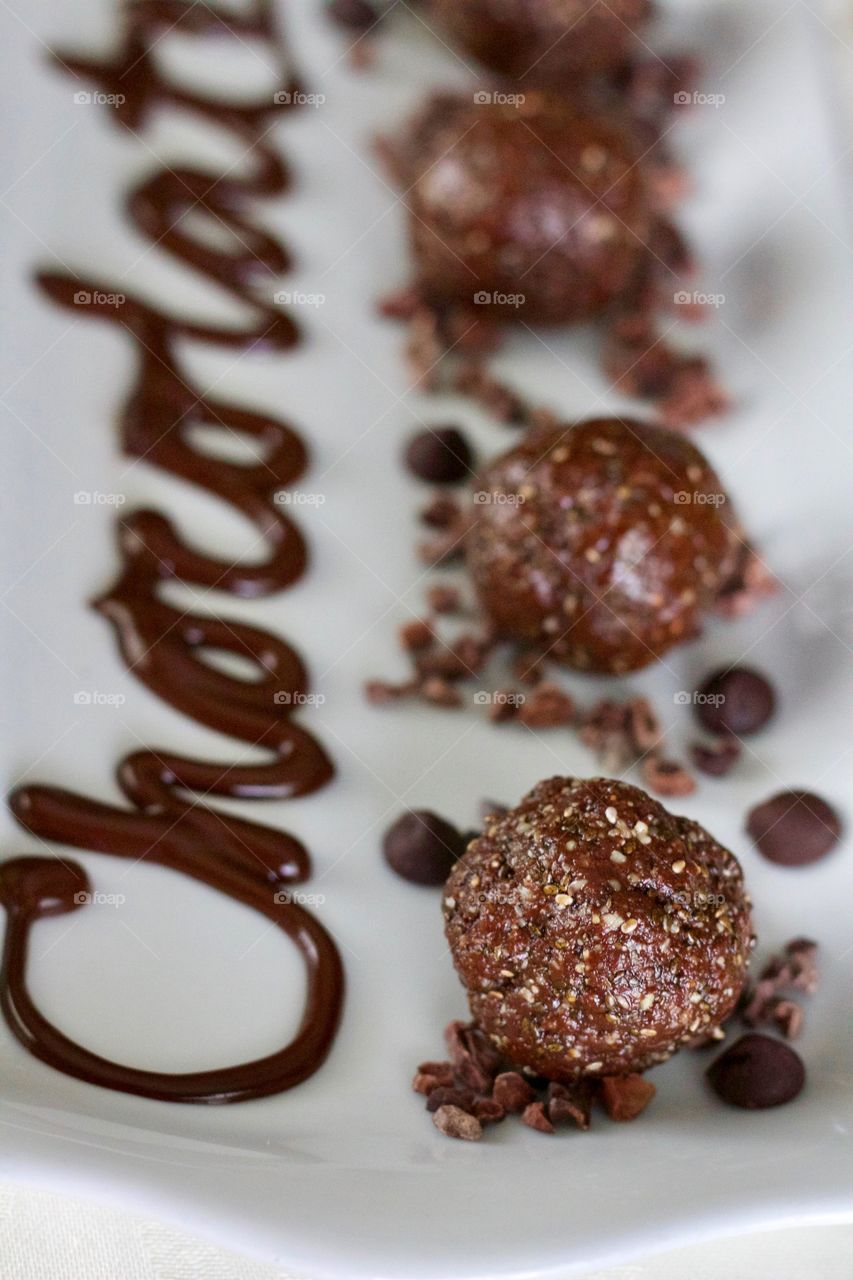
(164, 646)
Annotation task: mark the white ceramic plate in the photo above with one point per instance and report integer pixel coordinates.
(345, 1175)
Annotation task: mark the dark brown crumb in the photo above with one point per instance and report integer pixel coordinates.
(443, 598)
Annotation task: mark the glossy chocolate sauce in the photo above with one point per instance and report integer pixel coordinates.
(168, 648)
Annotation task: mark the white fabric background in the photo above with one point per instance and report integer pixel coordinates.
(52, 1237)
(44, 1236)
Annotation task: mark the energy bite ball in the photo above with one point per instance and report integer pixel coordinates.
(604, 543)
(595, 932)
(537, 211)
(544, 41)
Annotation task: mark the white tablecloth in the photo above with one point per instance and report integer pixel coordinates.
(51, 1237)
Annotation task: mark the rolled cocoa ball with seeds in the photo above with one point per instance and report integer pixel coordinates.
(544, 41)
(538, 212)
(603, 543)
(595, 932)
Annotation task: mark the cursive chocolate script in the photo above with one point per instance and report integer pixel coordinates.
(168, 648)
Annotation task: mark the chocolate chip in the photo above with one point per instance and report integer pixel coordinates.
(716, 758)
(512, 1091)
(456, 1123)
(735, 700)
(794, 828)
(626, 1097)
(758, 1071)
(353, 15)
(535, 1118)
(440, 456)
(422, 848)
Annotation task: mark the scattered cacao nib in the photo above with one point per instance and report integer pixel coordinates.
(416, 635)
(750, 585)
(422, 847)
(626, 1097)
(794, 828)
(402, 303)
(787, 1017)
(570, 1105)
(716, 758)
(474, 1057)
(757, 1072)
(440, 693)
(440, 455)
(489, 1111)
(443, 1071)
(443, 512)
(534, 1117)
(451, 1096)
(443, 549)
(735, 700)
(546, 707)
(795, 969)
(666, 778)
(455, 1123)
(426, 1083)
(379, 692)
(644, 726)
(513, 1092)
(606, 731)
(424, 349)
(443, 599)
(528, 667)
(505, 706)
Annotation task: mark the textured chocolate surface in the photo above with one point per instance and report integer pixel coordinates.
(584, 542)
(595, 932)
(538, 211)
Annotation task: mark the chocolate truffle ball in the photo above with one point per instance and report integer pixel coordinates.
(544, 41)
(603, 542)
(595, 932)
(537, 211)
